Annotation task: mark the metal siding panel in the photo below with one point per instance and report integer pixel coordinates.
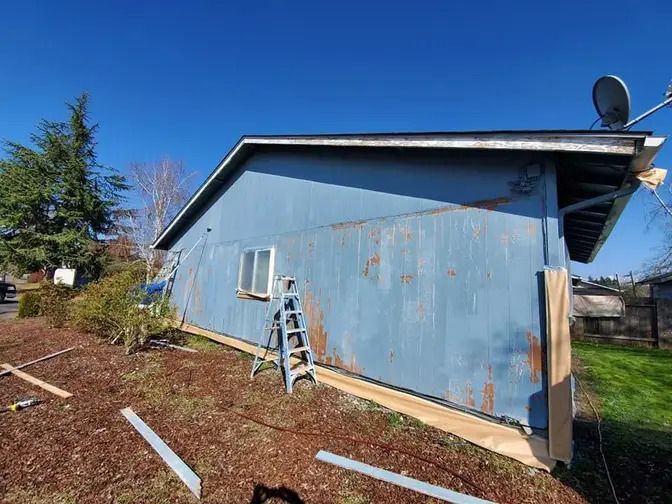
(442, 300)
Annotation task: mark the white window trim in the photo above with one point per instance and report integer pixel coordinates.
(241, 293)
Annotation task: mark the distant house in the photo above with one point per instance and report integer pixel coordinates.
(596, 309)
(660, 285)
(432, 266)
(591, 299)
(660, 291)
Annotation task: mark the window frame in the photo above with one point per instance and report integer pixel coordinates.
(245, 294)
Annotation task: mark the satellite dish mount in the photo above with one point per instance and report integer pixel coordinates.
(612, 102)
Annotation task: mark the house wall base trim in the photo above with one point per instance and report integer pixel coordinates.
(511, 442)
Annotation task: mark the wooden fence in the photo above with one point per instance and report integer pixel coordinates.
(646, 322)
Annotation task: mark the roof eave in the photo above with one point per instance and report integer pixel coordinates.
(550, 141)
(640, 162)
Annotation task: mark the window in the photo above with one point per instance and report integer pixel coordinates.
(256, 273)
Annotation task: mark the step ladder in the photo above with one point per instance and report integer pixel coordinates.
(286, 321)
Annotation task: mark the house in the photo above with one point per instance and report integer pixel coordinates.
(598, 311)
(660, 292)
(660, 286)
(593, 301)
(433, 266)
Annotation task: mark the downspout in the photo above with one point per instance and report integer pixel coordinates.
(581, 205)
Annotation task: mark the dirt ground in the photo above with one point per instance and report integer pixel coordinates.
(81, 449)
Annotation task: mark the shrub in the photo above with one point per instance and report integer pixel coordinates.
(29, 304)
(115, 309)
(55, 304)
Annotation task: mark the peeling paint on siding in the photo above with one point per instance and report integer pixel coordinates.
(488, 393)
(395, 281)
(374, 260)
(315, 318)
(534, 357)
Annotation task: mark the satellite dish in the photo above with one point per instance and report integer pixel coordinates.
(612, 101)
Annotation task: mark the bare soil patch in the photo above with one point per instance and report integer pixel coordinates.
(81, 450)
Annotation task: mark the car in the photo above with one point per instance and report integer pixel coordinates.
(7, 290)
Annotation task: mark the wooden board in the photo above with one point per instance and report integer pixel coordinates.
(512, 442)
(35, 381)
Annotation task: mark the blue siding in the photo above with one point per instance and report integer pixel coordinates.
(400, 282)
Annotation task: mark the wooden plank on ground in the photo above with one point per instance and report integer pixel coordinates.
(50, 356)
(36, 381)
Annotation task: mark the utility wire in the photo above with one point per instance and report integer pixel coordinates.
(599, 433)
(662, 203)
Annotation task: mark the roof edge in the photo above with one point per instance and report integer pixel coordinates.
(545, 141)
(641, 162)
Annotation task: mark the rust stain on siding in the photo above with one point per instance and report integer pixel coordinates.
(406, 233)
(489, 204)
(534, 357)
(488, 393)
(451, 272)
(316, 332)
(349, 366)
(469, 396)
(374, 260)
(407, 279)
(348, 225)
(531, 228)
(420, 308)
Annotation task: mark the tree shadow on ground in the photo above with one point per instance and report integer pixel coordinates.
(262, 494)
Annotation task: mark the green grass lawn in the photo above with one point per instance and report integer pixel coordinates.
(634, 385)
(632, 390)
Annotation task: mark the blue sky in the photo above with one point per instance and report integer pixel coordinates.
(185, 80)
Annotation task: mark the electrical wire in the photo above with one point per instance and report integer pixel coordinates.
(358, 440)
(599, 434)
(662, 203)
(595, 122)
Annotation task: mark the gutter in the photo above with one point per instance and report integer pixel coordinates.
(641, 161)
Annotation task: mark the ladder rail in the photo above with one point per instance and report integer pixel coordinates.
(284, 308)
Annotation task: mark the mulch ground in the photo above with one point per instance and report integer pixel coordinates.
(81, 449)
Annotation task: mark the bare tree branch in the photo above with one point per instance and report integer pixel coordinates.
(162, 188)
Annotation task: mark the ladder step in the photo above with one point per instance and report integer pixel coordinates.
(300, 369)
(284, 309)
(299, 349)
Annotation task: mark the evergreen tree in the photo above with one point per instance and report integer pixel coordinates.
(56, 200)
